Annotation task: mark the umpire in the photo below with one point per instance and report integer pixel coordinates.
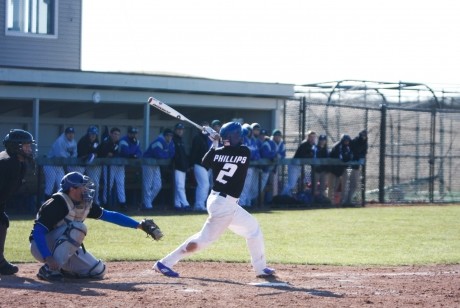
(19, 152)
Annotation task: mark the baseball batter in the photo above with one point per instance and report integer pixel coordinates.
(229, 166)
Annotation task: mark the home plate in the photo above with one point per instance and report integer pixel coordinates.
(191, 291)
(269, 284)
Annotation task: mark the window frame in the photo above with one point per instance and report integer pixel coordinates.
(33, 35)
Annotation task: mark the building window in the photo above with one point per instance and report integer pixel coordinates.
(31, 17)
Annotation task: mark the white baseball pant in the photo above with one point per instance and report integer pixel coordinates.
(202, 188)
(117, 175)
(224, 212)
(293, 175)
(151, 184)
(294, 172)
(245, 197)
(53, 176)
(94, 172)
(180, 198)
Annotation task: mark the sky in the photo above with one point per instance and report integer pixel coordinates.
(285, 41)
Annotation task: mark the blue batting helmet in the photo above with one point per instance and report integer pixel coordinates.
(231, 133)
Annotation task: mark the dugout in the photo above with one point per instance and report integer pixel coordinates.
(46, 101)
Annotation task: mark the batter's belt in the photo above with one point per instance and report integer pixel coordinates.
(223, 195)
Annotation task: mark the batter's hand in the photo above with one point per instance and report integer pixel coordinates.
(212, 134)
(52, 263)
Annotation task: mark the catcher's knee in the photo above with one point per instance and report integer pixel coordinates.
(69, 242)
(192, 246)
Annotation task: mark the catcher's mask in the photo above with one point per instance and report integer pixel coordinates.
(14, 143)
(231, 134)
(76, 180)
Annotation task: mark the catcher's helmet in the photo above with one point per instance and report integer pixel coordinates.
(14, 141)
(231, 133)
(75, 180)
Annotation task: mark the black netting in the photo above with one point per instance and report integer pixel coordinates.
(420, 149)
(407, 156)
(447, 162)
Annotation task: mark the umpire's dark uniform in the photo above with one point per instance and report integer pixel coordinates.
(12, 172)
(13, 166)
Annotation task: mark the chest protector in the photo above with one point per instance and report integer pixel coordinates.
(76, 213)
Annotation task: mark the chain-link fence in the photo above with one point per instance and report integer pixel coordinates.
(412, 156)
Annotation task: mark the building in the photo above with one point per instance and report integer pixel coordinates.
(43, 89)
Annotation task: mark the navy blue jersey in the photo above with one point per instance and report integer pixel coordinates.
(12, 173)
(229, 167)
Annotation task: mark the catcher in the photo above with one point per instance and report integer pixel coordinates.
(58, 232)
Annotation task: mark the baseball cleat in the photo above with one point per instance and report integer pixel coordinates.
(163, 269)
(46, 274)
(6, 268)
(266, 272)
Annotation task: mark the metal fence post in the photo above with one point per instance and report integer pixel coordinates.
(432, 154)
(383, 125)
(303, 119)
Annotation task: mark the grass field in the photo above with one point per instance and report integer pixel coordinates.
(396, 235)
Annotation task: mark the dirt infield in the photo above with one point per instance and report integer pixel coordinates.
(130, 284)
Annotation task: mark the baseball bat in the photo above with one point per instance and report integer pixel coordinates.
(171, 111)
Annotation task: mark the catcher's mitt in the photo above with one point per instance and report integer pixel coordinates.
(151, 228)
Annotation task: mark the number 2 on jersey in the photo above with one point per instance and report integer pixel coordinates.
(227, 170)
